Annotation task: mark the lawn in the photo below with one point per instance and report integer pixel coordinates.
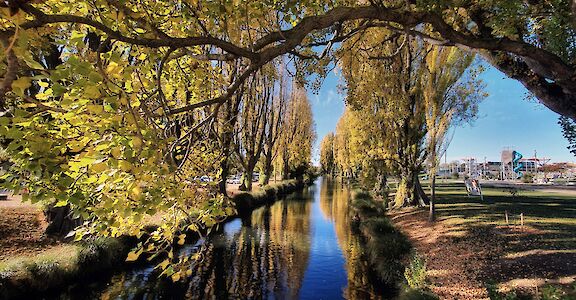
(471, 245)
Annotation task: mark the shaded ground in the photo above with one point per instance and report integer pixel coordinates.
(21, 229)
(471, 244)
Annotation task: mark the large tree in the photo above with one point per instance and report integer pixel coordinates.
(117, 128)
(327, 154)
(252, 128)
(274, 126)
(408, 93)
(297, 135)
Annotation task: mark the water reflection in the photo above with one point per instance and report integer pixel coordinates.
(265, 258)
(335, 204)
(302, 247)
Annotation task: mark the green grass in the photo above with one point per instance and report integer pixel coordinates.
(553, 212)
(386, 247)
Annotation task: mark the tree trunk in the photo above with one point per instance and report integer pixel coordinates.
(224, 171)
(422, 198)
(265, 179)
(432, 216)
(60, 221)
(409, 191)
(247, 180)
(285, 168)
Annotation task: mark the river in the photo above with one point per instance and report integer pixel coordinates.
(301, 247)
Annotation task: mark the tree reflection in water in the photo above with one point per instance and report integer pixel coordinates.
(299, 247)
(335, 205)
(265, 258)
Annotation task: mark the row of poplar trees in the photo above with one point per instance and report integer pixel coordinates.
(401, 103)
(267, 127)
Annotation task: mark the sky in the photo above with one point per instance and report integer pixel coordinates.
(505, 119)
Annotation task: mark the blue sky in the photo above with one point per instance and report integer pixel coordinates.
(505, 119)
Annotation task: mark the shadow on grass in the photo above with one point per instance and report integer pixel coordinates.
(544, 248)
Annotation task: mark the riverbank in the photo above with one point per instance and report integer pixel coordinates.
(62, 265)
(247, 201)
(388, 250)
(473, 253)
(54, 264)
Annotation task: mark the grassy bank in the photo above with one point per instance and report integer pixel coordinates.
(247, 201)
(60, 265)
(388, 250)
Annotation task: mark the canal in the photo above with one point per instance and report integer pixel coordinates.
(301, 247)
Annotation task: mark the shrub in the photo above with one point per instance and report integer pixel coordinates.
(379, 226)
(528, 178)
(45, 272)
(415, 273)
(101, 253)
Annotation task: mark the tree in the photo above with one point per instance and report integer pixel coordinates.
(117, 128)
(520, 38)
(227, 120)
(251, 133)
(298, 135)
(451, 94)
(327, 154)
(274, 125)
(408, 98)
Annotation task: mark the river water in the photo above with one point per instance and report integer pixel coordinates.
(301, 247)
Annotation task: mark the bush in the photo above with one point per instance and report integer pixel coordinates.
(528, 178)
(101, 253)
(386, 247)
(415, 273)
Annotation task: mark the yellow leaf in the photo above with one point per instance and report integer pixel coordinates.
(176, 276)
(20, 84)
(136, 191)
(137, 142)
(181, 239)
(95, 109)
(163, 265)
(132, 256)
(125, 165)
(92, 92)
(116, 152)
(99, 167)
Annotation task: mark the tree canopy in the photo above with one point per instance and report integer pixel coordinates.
(110, 105)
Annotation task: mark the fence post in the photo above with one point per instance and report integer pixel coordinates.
(506, 215)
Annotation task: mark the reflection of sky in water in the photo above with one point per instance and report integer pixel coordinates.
(233, 227)
(325, 277)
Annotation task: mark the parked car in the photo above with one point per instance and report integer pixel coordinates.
(233, 180)
(4, 194)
